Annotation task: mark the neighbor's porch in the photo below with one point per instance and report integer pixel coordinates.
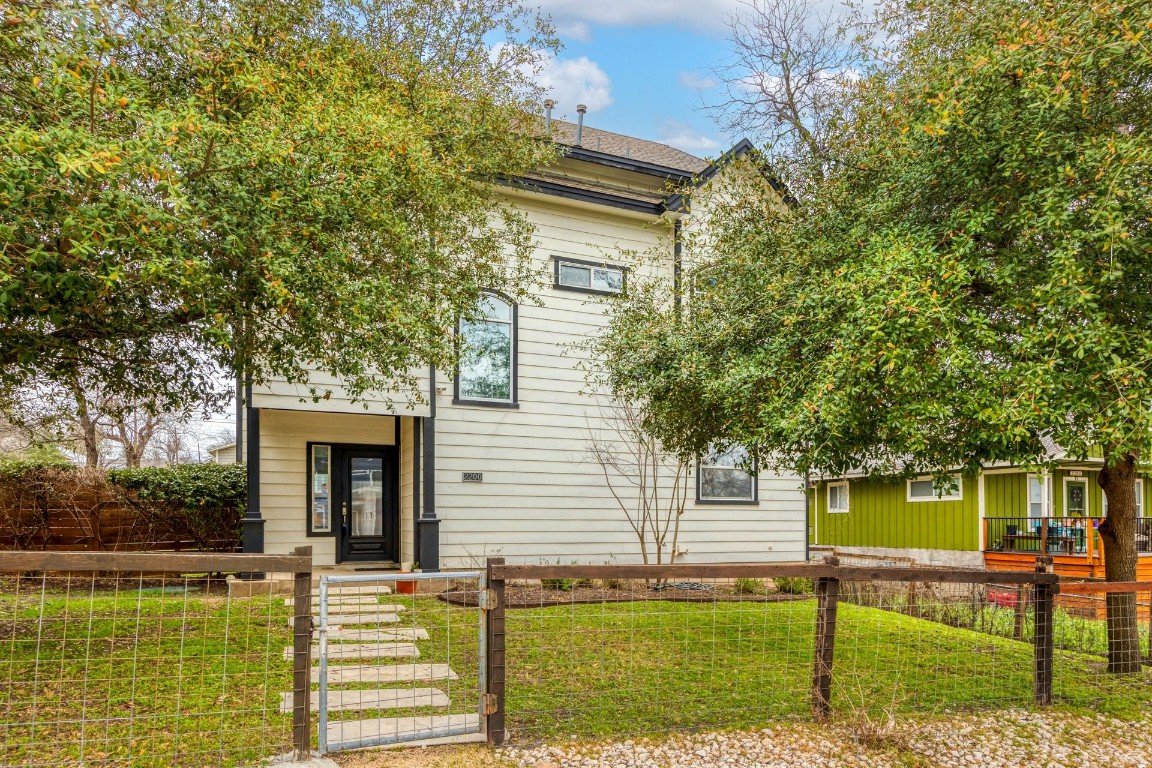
(1013, 543)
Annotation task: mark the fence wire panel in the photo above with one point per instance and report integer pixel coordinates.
(396, 667)
(140, 670)
(618, 657)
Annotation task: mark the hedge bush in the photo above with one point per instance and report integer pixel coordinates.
(52, 502)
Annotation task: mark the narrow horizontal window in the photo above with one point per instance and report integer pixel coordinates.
(589, 277)
(927, 489)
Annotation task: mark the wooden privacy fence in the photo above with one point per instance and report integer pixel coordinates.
(827, 579)
(77, 510)
(115, 656)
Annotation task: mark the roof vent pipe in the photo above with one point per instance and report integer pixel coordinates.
(581, 109)
(548, 104)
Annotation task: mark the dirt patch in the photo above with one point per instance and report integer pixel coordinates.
(471, 756)
(537, 596)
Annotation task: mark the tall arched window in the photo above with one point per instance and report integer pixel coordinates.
(488, 354)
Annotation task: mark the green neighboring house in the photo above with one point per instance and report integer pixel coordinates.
(1001, 518)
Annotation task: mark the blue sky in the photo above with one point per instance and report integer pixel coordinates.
(643, 67)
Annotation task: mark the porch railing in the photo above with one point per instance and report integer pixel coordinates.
(1055, 535)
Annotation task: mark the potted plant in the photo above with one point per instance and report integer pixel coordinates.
(407, 586)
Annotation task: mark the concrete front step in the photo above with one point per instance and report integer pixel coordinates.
(353, 589)
(364, 651)
(377, 635)
(350, 732)
(359, 618)
(384, 698)
(336, 619)
(341, 674)
(340, 600)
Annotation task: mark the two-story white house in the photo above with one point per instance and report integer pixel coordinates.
(498, 461)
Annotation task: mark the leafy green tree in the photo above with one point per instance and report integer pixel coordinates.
(971, 278)
(190, 188)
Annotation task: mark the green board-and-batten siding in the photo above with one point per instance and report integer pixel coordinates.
(879, 515)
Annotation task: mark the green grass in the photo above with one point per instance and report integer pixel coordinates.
(194, 680)
(161, 679)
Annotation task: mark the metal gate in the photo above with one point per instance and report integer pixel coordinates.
(402, 658)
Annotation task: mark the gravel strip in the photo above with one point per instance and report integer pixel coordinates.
(1007, 739)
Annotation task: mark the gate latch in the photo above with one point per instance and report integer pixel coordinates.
(487, 598)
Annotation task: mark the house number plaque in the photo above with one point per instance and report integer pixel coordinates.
(473, 477)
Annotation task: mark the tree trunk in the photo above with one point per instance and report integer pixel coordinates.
(1118, 535)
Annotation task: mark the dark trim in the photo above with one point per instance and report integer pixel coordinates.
(416, 501)
(677, 266)
(240, 403)
(583, 195)
(514, 402)
(332, 522)
(556, 261)
(678, 202)
(427, 526)
(252, 525)
(755, 475)
(486, 404)
(626, 163)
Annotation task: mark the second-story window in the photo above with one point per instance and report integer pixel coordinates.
(588, 276)
(488, 354)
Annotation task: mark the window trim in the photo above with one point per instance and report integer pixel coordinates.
(558, 260)
(754, 473)
(1045, 494)
(309, 531)
(959, 496)
(515, 374)
(845, 484)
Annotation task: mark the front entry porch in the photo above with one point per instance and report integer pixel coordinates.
(1013, 543)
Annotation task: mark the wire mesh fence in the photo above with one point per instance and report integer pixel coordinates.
(619, 656)
(140, 667)
(399, 660)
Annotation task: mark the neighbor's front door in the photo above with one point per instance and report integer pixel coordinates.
(367, 503)
(1076, 498)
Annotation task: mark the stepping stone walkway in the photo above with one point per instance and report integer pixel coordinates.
(362, 631)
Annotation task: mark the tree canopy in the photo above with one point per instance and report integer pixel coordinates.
(190, 188)
(971, 277)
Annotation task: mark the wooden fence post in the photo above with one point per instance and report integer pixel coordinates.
(494, 637)
(1043, 639)
(302, 658)
(827, 595)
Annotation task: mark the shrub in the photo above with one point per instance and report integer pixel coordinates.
(794, 585)
(746, 586)
(203, 501)
(562, 585)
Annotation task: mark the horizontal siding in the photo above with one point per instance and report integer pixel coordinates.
(879, 515)
(543, 498)
(284, 436)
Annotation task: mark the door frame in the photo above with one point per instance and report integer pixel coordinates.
(339, 469)
(1087, 501)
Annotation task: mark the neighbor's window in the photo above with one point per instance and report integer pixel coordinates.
(320, 489)
(924, 489)
(1139, 499)
(1035, 496)
(724, 477)
(588, 276)
(838, 497)
(487, 365)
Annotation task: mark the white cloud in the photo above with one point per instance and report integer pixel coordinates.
(575, 81)
(580, 31)
(712, 14)
(695, 82)
(681, 136)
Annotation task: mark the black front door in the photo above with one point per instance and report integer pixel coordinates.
(367, 503)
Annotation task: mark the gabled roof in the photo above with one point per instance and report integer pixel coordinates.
(596, 142)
